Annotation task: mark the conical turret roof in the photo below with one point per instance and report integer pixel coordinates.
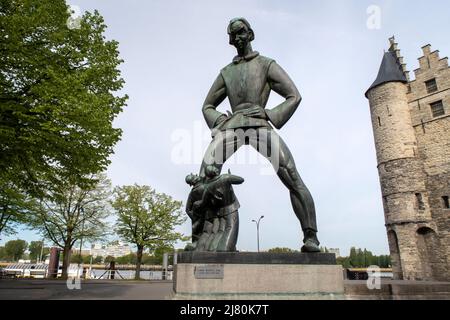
(391, 70)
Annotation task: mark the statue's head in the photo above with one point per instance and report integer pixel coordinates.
(211, 172)
(193, 179)
(240, 33)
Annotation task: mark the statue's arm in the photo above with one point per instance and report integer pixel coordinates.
(216, 95)
(200, 204)
(282, 84)
(234, 179)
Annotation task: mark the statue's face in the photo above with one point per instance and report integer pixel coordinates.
(211, 171)
(240, 35)
(193, 179)
(197, 179)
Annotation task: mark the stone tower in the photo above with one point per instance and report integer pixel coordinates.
(411, 124)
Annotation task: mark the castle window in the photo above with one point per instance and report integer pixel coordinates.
(437, 108)
(379, 121)
(419, 201)
(446, 202)
(431, 86)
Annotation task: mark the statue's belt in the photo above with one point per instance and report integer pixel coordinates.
(239, 120)
(225, 211)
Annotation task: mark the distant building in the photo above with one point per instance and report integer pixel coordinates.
(115, 250)
(84, 252)
(336, 251)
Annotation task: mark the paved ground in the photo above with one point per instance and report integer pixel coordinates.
(22, 289)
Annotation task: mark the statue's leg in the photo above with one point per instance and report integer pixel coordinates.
(221, 148)
(203, 241)
(229, 238)
(197, 230)
(213, 235)
(270, 145)
(218, 235)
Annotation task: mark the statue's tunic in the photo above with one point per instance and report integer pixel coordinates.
(247, 83)
(247, 86)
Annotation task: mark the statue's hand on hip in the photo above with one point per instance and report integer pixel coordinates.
(256, 112)
(221, 120)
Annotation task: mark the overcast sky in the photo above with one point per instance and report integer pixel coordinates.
(173, 51)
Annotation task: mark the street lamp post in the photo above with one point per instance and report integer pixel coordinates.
(257, 229)
(80, 261)
(42, 251)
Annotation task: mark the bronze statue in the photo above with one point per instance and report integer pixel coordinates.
(213, 208)
(247, 83)
(197, 218)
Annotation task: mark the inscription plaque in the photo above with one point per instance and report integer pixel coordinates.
(209, 272)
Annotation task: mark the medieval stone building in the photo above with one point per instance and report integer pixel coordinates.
(411, 124)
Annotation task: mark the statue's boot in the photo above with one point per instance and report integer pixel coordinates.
(311, 243)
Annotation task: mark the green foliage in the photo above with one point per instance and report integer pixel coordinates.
(57, 100)
(70, 213)
(363, 258)
(109, 259)
(97, 260)
(3, 255)
(127, 259)
(35, 249)
(158, 254)
(15, 249)
(147, 218)
(15, 205)
(73, 213)
(156, 258)
(75, 258)
(150, 259)
(282, 250)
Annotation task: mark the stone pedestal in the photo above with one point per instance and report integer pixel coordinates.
(300, 276)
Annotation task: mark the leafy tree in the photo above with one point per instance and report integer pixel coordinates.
(76, 258)
(344, 261)
(74, 213)
(15, 249)
(57, 95)
(35, 249)
(146, 218)
(109, 259)
(127, 259)
(97, 260)
(364, 258)
(158, 254)
(148, 259)
(15, 205)
(3, 255)
(87, 259)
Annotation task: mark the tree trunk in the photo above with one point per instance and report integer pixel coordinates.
(138, 262)
(66, 261)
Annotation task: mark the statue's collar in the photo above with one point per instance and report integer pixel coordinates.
(250, 56)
